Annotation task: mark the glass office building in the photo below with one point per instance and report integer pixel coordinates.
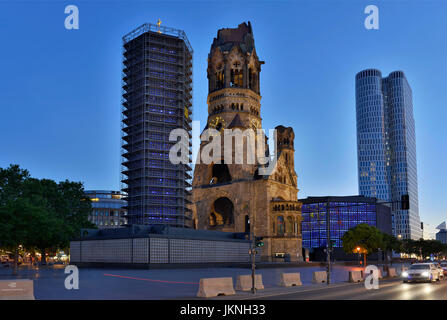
(108, 208)
(441, 236)
(386, 145)
(341, 213)
(157, 98)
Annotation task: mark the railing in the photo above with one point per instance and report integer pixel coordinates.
(155, 28)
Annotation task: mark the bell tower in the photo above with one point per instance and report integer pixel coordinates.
(234, 99)
(233, 80)
(285, 149)
(235, 196)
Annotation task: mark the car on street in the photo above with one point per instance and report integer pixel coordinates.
(4, 259)
(440, 270)
(426, 272)
(9, 259)
(437, 265)
(444, 267)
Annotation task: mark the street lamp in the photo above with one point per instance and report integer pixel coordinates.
(358, 257)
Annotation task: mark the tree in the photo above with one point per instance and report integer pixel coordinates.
(368, 238)
(390, 244)
(429, 247)
(46, 228)
(423, 248)
(410, 246)
(40, 213)
(74, 211)
(15, 211)
(61, 210)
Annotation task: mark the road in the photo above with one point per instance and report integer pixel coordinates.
(388, 290)
(140, 284)
(130, 284)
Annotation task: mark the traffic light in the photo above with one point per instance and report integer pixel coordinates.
(258, 242)
(405, 202)
(332, 243)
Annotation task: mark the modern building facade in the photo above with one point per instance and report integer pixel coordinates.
(342, 213)
(442, 236)
(108, 208)
(386, 145)
(157, 98)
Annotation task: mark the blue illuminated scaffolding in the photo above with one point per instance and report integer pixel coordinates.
(157, 98)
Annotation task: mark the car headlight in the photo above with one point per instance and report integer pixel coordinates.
(425, 274)
(404, 274)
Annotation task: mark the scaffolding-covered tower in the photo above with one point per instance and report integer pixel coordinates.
(157, 98)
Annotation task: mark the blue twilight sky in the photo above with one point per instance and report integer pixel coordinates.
(60, 89)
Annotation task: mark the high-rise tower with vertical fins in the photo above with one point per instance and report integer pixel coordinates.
(386, 145)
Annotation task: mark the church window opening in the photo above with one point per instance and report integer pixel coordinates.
(236, 75)
(280, 225)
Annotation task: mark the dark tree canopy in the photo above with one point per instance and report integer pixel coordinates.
(367, 237)
(370, 239)
(40, 213)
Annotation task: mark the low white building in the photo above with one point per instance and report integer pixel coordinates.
(428, 232)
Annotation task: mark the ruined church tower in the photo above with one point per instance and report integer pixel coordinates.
(234, 197)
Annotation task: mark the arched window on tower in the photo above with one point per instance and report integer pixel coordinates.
(220, 79)
(290, 227)
(222, 213)
(236, 79)
(251, 79)
(280, 225)
(220, 173)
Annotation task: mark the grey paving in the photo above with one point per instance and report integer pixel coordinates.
(136, 284)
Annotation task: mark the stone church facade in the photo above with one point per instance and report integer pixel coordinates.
(234, 197)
